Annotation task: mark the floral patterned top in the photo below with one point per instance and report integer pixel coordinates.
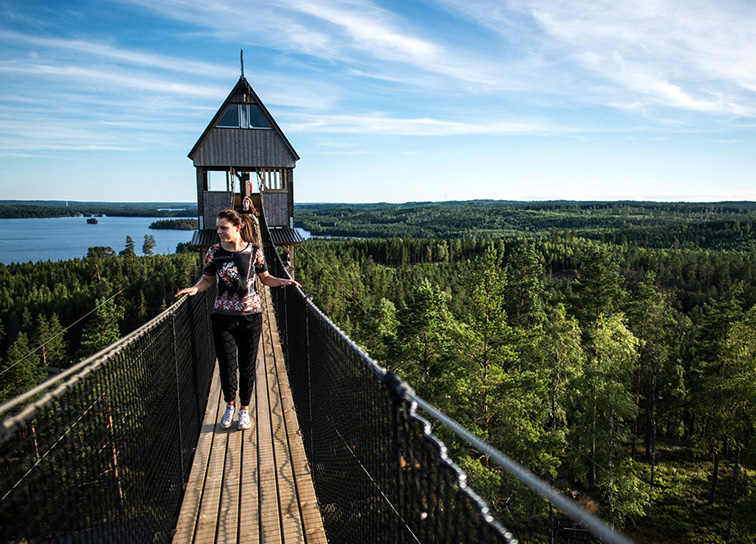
(235, 273)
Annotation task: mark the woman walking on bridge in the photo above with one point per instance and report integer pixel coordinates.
(237, 315)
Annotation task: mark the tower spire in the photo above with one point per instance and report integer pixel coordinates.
(241, 55)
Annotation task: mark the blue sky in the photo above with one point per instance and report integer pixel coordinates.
(389, 101)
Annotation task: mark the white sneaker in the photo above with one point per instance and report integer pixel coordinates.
(244, 422)
(228, 416)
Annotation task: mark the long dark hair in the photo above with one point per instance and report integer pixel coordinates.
(248, 231)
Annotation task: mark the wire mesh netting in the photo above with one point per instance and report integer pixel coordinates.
(379, 473)
(101, 453)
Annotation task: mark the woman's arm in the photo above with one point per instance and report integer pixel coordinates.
(202, 285)
(272, 281)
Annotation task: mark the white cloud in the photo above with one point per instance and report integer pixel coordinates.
(104, 51)
(381, 124)
(358, 33)
(691, 55)
(370, 28)
(115, 79)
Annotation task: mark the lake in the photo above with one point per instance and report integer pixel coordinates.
(61, 238)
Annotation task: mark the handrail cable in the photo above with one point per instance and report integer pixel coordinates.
(568, 506)
(325, 270)
(80, 370)
(84, 455)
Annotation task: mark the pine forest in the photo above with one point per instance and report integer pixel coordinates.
(608, 347)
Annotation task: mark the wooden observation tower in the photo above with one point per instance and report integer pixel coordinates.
(243, 152)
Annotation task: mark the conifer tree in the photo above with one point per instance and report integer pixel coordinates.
(49, 338)
(603, 399)
(99, 252)
(651, 320)
(733, 392)
(41, 335)
(149, 244)
(130, 245)
(377, 332)
(600, 287)
(424, 339)
(21, 370)
(560, 357)
(102, 328)
(524, 299)
(487, 349)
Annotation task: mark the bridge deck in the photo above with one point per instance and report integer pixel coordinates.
(252, 485)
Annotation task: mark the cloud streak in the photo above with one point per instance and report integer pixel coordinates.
(381, 124)
(697, 56)
(107, 52)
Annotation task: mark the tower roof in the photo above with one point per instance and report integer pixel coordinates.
(243, 93)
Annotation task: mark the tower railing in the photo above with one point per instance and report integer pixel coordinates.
(101, 452)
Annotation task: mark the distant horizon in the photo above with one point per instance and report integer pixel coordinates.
(389, 203)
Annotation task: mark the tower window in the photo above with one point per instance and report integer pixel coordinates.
(243, 116)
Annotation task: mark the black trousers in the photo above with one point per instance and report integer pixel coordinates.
(236, 340)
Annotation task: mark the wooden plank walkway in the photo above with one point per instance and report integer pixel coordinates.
(252, 485)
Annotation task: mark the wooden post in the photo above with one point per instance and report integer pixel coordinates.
(201, 188)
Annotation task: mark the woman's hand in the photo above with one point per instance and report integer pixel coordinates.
(191, 291)
(202, 285)
(272, 281)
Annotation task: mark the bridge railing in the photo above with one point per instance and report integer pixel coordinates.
(379, 471)
(101, 452)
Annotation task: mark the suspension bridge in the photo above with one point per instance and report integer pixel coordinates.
(124, 446)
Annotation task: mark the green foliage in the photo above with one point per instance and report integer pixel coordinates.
(603, 397)
(100, 252)
(559, 357)
(184, 247)
(149, 244)
(21, 370)
(487, 352)
(129, 249)
(642, 224)
(102, 328)
(49, 339)
(378, 331)
(424, 339)
(175, 224)
(629, 492)
(42, 299)
(586, 348)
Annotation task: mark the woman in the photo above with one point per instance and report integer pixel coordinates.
(237, 315)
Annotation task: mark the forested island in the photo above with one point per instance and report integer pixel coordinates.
(15, 209)
(609, 347)
(175, 224)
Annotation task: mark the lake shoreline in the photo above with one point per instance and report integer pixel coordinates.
(64, 238)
